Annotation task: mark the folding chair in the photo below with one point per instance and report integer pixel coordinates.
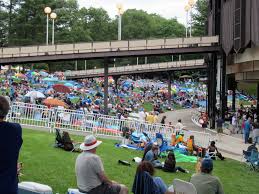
(183, 187)
(253, 160)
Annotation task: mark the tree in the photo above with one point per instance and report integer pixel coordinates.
(200, 18)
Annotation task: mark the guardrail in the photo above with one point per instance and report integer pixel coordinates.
(109, 46)
(101, 125)
(141, 67)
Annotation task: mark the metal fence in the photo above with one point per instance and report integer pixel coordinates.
(33, 115)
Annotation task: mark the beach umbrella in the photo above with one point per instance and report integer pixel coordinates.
(69, 85)
(35, 94)
(44, 74)
(74, 100)
(20, 75)
(54, 102)
(61, 88)
(34, 73)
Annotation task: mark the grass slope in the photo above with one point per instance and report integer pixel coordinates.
(48, 165)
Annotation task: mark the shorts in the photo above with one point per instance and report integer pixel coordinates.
(220, 130)
(106, 189)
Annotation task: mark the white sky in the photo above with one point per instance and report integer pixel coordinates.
(165, 8)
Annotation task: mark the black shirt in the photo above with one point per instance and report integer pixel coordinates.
(10, 144)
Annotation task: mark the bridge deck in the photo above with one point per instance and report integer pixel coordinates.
(108, 49)
(136, 69)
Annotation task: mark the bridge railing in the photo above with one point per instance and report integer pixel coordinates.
(109, 46)
(140, 67)
(101, 125)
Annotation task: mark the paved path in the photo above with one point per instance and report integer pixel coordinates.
(230, 146)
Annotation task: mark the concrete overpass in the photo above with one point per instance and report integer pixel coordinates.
(109, 49)
(137, 69)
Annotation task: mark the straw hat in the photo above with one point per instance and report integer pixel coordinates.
(90, 143)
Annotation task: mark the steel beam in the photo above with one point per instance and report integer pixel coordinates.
(111, 54)
(106, 74)
(257, 102)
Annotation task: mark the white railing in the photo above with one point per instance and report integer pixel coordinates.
(101, 125)
(110, 46)
(141, 67)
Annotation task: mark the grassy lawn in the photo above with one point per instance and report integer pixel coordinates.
(48, 165)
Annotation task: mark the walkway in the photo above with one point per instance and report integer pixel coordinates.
(230, 146)
(135, 69)
(109, 49)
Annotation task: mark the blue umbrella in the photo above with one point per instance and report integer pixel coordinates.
(69, 85)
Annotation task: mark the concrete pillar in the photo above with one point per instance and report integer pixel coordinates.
(223, 96)
(76, 65)
(116, 78)
(169, 87)
(257, 102)
(234, 98)
(106, 72)
(145, 60)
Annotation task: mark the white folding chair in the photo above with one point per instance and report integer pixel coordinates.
(183, 187)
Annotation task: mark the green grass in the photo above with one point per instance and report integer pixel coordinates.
(148, 106)
(249, 88)
(52, 166)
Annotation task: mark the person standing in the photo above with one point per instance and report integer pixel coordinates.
(247, 129)
(220, 123)
(10, 146)
(90, 173)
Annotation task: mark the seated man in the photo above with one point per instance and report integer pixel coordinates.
(90, 174)
(152, 156)
(205, 182)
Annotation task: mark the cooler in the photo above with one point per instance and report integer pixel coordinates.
(33, 188)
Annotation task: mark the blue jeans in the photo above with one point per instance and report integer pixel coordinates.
(246, 135)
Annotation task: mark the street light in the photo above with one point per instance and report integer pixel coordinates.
(191, 4)
(53, 16)
(47, 11)
(187, 8)
(120, 13)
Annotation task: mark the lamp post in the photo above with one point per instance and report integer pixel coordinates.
(47, 11)
(191, 4)
(187, 8)
(120, 13)
(53, 16)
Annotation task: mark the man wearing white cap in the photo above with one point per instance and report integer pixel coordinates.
(90, 175)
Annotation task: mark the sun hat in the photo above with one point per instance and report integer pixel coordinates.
(207, 164)
(90, 143)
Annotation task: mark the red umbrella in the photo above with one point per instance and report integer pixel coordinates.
(61, 88)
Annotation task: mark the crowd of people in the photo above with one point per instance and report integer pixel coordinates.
(128, 95)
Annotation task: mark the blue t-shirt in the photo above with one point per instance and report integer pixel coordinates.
(247, 126)
(161, 186)
(149, 156)
(10, 145)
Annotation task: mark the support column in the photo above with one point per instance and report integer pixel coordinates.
(257, 103)
(169, 87)
(212, 84)
(234, 97)
(223, 100)
(76, 65)
(116, 82)
(106, 72)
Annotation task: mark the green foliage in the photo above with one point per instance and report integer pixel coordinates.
(52, 166)
(200, 18)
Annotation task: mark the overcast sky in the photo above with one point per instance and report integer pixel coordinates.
(165, 8)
